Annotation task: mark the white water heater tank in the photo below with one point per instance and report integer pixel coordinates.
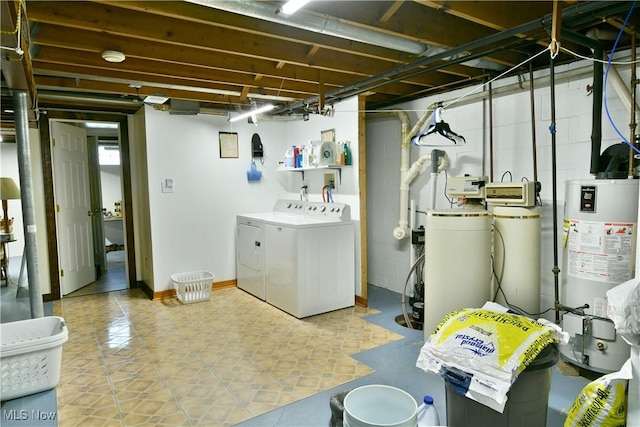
(598, 253)
(457, 271)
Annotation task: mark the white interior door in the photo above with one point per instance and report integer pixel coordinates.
(73, 206)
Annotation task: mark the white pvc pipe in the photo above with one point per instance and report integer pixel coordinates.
(402, 230)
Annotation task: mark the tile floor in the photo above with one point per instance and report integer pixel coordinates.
(131, 361)
(232, 360)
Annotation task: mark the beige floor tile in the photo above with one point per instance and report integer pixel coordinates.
(130, 361)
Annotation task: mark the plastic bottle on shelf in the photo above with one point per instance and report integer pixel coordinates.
(347, 154)
(296, 156)
(289, 158)
(300, 158)
(427, 413)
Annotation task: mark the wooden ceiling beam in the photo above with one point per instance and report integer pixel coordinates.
(210, 16)
(85, 42)
(83, 74)
(216, 44)
(16, 67)
(391, 11)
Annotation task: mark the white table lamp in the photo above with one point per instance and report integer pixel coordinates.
(8, 191)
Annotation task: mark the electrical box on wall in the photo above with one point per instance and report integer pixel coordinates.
(330, 178)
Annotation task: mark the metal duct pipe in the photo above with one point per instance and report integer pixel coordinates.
(28, 204)
(386, 78)
(336, 28)
(598, 85)
(317, 24)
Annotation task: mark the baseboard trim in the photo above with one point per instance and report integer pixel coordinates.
(362, 302)
(171, 293)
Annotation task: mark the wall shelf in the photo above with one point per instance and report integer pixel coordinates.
(316, 168)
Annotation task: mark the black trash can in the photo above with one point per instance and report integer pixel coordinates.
(527, 401)
(336, 403)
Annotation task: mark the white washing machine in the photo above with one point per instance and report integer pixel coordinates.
(309, 256)
(250, 255)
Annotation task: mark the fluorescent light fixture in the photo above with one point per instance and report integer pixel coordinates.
(262, 109)
(155, 99)
(291, 7)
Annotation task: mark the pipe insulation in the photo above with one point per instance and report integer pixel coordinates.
(399, 73)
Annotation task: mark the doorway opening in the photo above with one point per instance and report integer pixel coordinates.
(105, 250)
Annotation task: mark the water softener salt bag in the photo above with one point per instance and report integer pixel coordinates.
(602, 402)
(480, 352)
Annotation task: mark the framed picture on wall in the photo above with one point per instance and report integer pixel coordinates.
(228, 145)
(328, 135)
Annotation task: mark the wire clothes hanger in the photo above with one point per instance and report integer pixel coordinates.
(440, 126)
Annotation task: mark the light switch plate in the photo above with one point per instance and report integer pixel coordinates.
(167, 185)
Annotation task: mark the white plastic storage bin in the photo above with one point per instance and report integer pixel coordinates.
(31, 355)
(194, 286)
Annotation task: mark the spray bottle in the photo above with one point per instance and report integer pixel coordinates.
(347, 153)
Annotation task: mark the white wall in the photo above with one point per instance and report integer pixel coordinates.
(111, 183)
(193, 228)
(345, 123)
(9, 168)
(389, 260)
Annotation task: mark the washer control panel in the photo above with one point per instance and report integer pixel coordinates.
(329, 211)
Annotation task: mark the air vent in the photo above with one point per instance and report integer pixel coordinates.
(183, 107)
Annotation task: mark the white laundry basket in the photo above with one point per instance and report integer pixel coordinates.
(31, 355)
(193, 287)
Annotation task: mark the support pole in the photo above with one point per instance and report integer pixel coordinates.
(490, 132)
(28, 205)
(533, 123)
(632, 123)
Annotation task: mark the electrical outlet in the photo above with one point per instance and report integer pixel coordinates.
(330, 178)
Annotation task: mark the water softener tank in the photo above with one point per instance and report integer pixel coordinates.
(516, 252)
(457, 272)
(598, 253)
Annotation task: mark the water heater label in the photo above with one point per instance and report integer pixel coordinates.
(601, 251)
